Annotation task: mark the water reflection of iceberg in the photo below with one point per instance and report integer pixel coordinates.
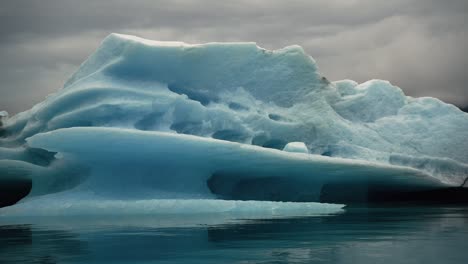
(426, 235)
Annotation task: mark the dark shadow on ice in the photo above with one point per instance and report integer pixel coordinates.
(464, 183)
(237, 106)
(11, 191)
(265, 141)
(386, 196)
(204, 97)
(243, 186)
(230, 135)
(38, 156)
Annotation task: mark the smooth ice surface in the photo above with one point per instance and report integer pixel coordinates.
(145, 119)
(70, 205)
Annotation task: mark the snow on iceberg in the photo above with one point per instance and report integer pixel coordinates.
(143, 119)
(299, 147)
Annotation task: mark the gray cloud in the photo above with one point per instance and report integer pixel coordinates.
(419, 45)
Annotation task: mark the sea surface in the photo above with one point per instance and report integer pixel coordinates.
(356, 235)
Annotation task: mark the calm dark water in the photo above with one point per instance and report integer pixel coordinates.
(377, 235)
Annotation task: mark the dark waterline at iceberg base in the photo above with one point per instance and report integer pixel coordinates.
(358, 235)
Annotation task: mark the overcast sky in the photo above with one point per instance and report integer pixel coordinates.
(419, 45)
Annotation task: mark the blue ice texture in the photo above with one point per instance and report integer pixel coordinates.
(168, 127)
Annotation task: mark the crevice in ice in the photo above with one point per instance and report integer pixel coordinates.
(35, 156)
(237, 106)
(276, 117)
(204, 97)
(40, 157)
(275, 143)
(188, 127)
(230, 135)
(260, 139)
(149, 121)
(464, 182)
(265, 141)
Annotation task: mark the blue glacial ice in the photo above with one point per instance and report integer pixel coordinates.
(143, 124)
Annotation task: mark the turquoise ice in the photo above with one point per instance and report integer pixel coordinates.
(144, 120)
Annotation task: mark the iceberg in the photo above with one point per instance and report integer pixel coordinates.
(155, 122)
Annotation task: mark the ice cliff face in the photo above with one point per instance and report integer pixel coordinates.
(242, 105)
